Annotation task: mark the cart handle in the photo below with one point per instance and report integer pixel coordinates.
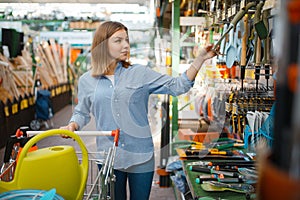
(114, 133)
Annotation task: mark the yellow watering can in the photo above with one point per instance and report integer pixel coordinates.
(53, 167)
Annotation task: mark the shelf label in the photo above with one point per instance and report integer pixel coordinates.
(24, 104)
(58, 90)
(31, 101)
(14, 108)
(6, 111)
(53, 93)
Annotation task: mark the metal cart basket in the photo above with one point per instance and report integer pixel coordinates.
(100, 183)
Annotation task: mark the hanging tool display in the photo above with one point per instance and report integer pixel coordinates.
(234, 21)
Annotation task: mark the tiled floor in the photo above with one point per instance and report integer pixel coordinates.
(61, 118)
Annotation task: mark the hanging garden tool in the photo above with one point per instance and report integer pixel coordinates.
(266, 61)
(261, 33)
(240, 33)
(259, 25)
(244, 51)
(257, 55)
(231, 50)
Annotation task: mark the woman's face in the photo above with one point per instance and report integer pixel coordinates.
(118, 45)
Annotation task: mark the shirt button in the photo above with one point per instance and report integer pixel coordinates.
(118, 115)
(122, 145)
(110, 86)
(116, 100)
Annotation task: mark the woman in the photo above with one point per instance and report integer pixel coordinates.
(117, 93)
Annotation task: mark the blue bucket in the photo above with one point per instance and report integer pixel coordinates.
(31, 195)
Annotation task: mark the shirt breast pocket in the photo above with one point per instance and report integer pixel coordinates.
(136, 93)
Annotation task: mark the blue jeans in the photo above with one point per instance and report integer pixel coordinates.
(139, 179)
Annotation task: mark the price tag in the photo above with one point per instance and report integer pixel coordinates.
(233, 9)
(242, 4)
(58, 90)
(64, 88)
(53, 92)
(249, 73)
(234, 109)
(31, 101)
(229, 14)
(24, 104)
(223, 15)
(228, 107)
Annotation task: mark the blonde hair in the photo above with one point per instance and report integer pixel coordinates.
(100, 59)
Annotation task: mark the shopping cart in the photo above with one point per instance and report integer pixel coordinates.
(100, 183)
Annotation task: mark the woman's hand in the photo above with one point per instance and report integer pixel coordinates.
(208, 52)
(71, 127)
(203, 54)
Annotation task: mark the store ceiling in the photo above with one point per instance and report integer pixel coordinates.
(140, 2)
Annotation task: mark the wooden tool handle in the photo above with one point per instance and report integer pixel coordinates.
(258, 52)
(244, 41)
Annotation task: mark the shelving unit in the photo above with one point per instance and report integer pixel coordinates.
(216, 20)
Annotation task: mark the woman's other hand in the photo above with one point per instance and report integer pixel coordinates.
(71, 127)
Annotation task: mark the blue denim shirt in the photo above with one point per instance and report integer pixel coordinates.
(124, 105)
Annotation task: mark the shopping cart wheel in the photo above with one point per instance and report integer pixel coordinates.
(35, 125)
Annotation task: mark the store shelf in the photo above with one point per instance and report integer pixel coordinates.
(21, 112)
(197, 191)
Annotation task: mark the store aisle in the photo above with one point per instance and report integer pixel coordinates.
(61, 118)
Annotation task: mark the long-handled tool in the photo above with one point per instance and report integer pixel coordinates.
(244, 51)
(261, 33)
(259, 24)
(266, 49)
(257, 60)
